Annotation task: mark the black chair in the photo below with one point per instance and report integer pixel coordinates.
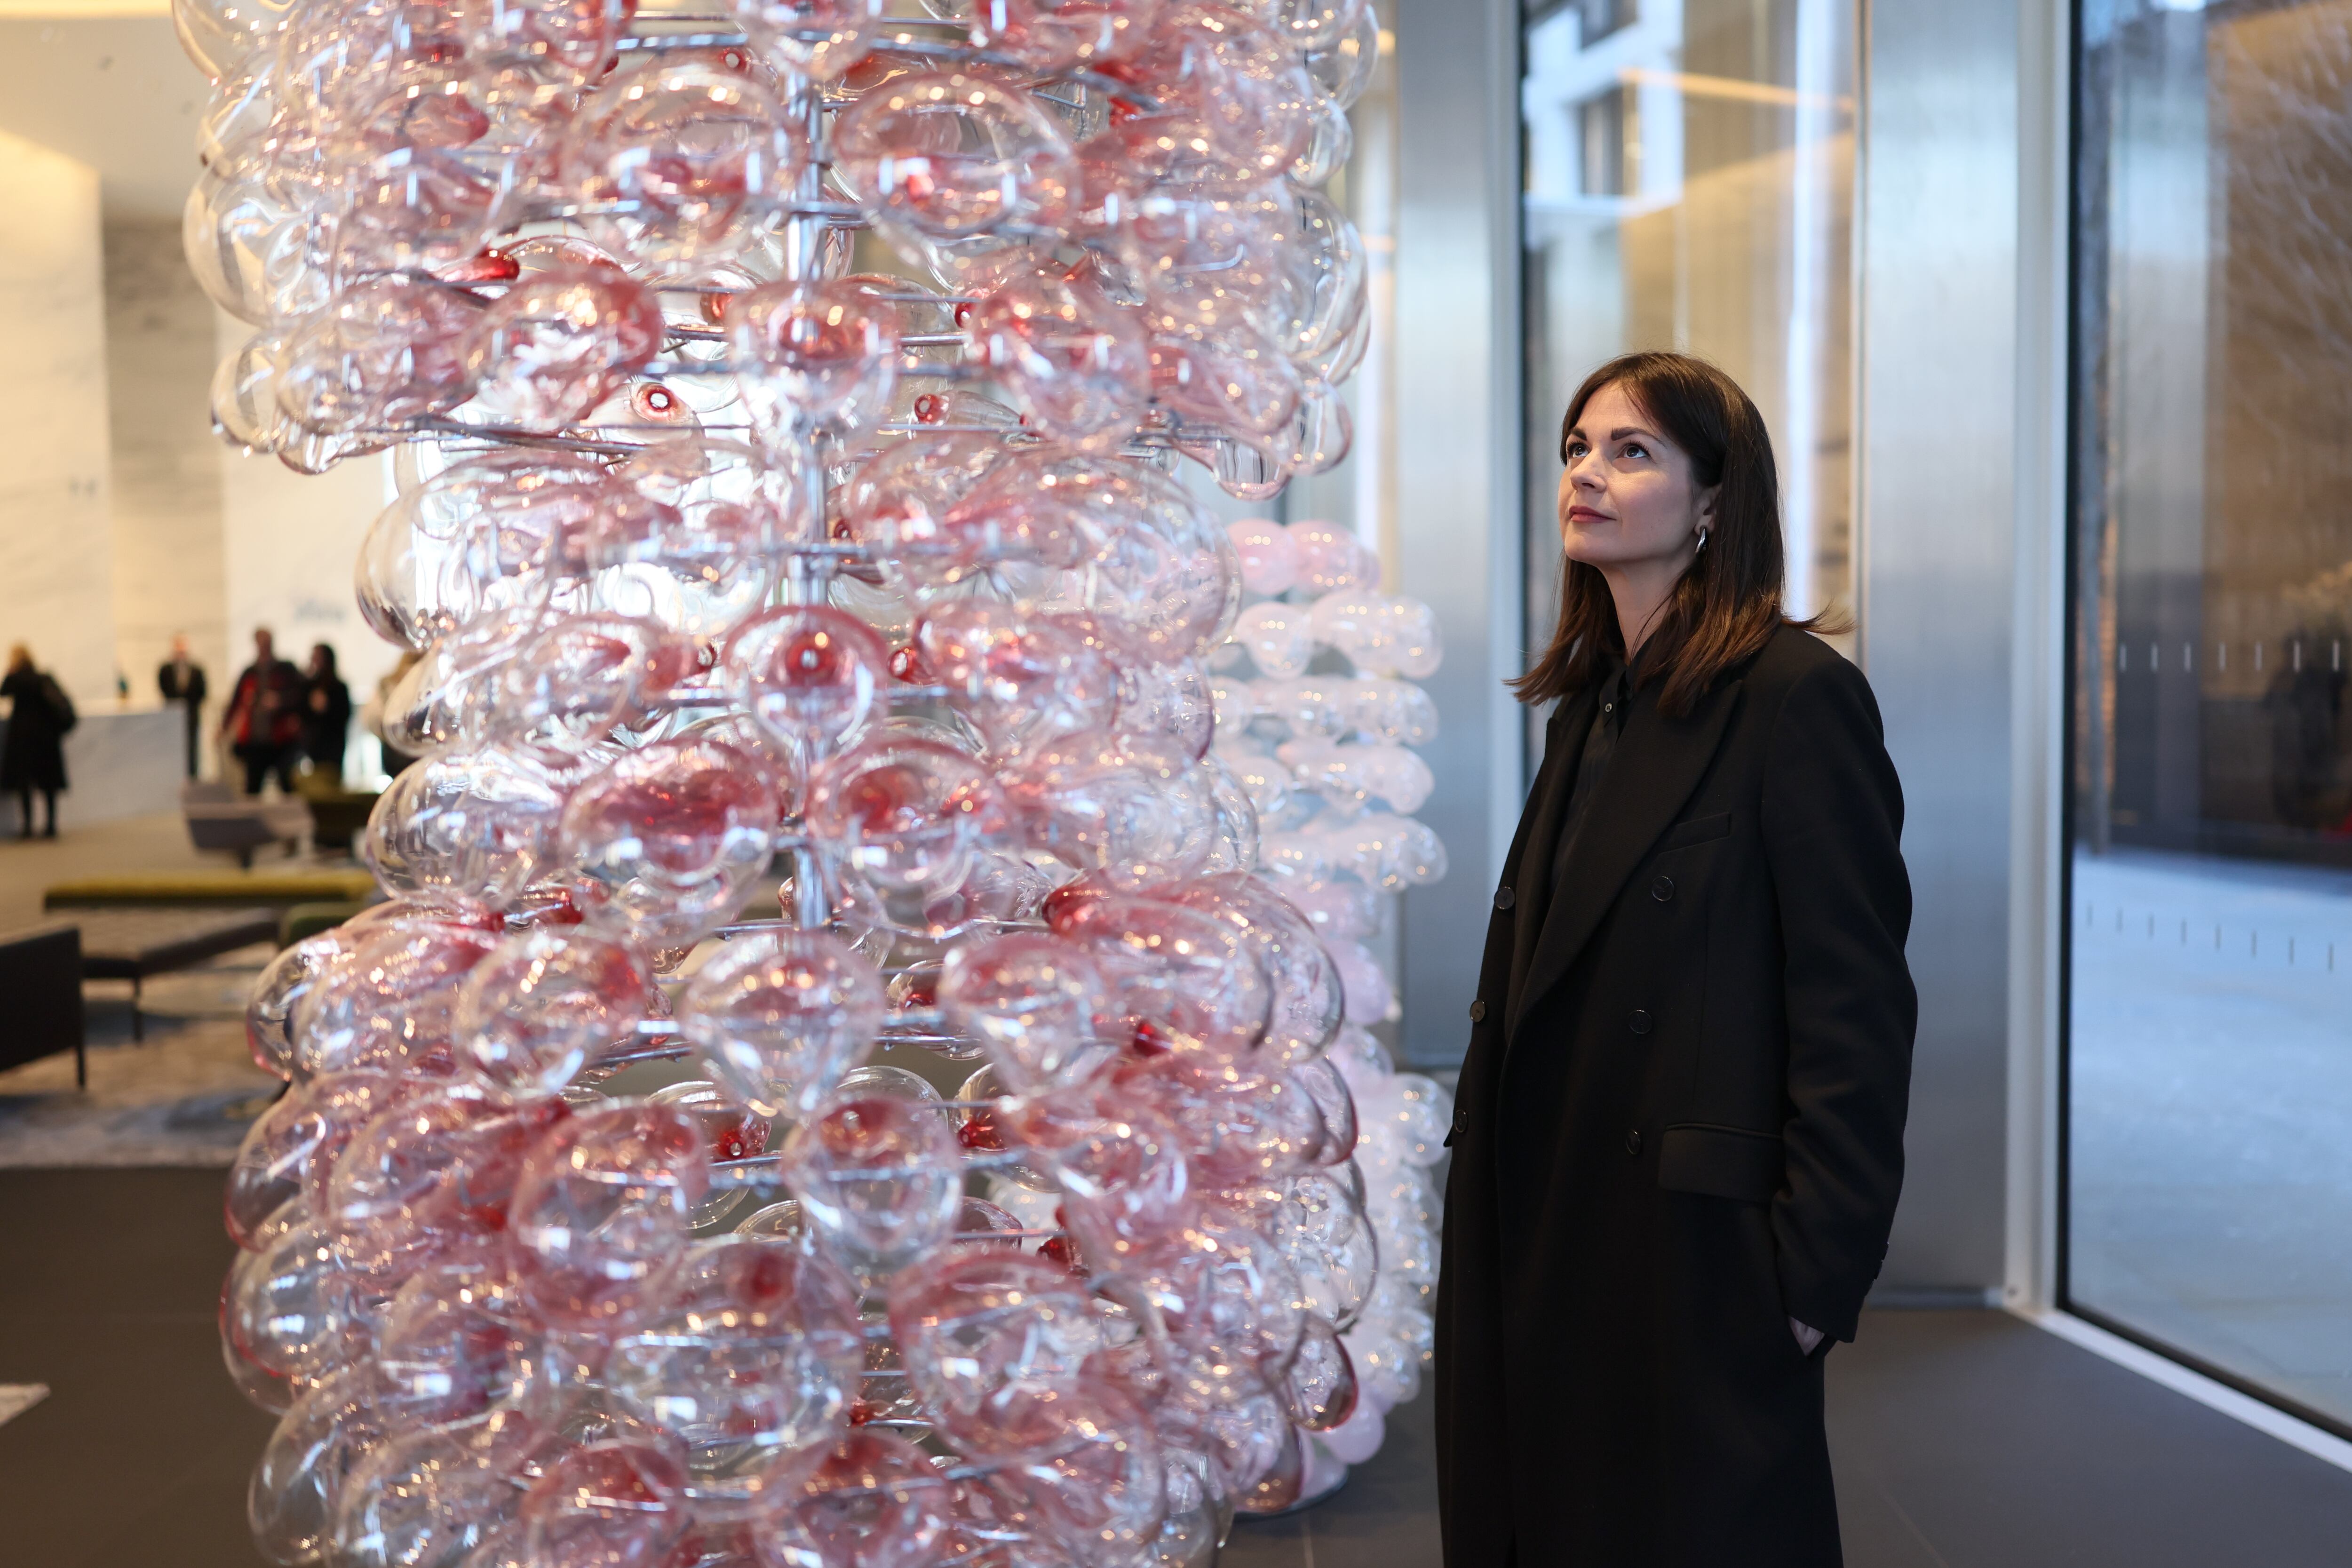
(40, 997)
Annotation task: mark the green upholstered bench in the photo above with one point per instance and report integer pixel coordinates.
(210, 890)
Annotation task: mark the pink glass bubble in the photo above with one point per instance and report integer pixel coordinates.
(807, 673)
(418, 197)
(1361, 1435)
(870, 1500)
(900, 504)
(1160, 578)
(560, 341)
(272, 1161)
(582, 677)
(732, 1130)
(757, 1352)
(813, 354)
(1328, 1086)
(1167, 705)
(1307, 996)
(386, 1003)
(780, 1016)
(481, 535)
(1076, 363)
(269, 1012)
(318, 1441)
(1048, 37)
(1332, 560)
(1091, 802)
(432, 1174)
(220, 34)
(1277, 638)
(1240, 1132)
(1127, 1187)
(674, 833)
(983, 1226)
(1343, 69)
(1221, 1283)
(952, 155)
(685, 159)
(455, 1341)
(1208, 252)
(1283, 1483)
(598, 1218)
(545, 1003)
(1321, 1230)
(821, 40)
(257, 245)
(472, 824)
(1021, 679)
(432, 1496)
(696, 551)
(1083, 1464)
(281, 1317)
(1032, 1001)
(1369, 998)
(1269, 555)
(907, 813)
(971, 1323)
(1237, 75)
(1183, 980)
(382, 353)
(880, 1180)
(613, 1504)
(577, 37)
(1229, 378)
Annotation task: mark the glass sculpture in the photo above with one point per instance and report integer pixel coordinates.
(861, 1061)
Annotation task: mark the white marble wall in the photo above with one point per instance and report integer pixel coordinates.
(170, 565)
(56, 559)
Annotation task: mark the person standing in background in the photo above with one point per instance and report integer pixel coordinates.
(264, 721)
(182, 681)
(33, 757)
(326, 714)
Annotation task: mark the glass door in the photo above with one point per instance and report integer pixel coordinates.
(2209, 1074)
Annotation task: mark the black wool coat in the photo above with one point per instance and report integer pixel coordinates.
(1680, 1124)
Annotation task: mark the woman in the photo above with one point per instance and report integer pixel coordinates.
(326, 714)
(1680, 1132)
(33, 757)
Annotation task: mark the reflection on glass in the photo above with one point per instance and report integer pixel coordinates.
(2210, 1128)
(1690, 185)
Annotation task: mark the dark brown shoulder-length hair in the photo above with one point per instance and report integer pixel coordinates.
(1726, 607)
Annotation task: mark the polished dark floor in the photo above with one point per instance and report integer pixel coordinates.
(1962, 1439)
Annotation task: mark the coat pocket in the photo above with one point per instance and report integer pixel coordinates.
(1720, 1162)
(1697, 830)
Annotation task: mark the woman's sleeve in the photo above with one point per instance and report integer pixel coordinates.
(1833, 824)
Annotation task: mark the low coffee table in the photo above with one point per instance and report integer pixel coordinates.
(132, 944)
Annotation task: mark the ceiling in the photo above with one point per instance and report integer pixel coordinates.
(111, 91)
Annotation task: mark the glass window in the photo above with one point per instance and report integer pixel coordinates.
(1689, 168)
(2209, 1196)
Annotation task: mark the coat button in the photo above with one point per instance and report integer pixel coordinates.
(1633, 1142)
(1663, 889)
(1478, 1010)
(1504, 898)
(1639, 1022)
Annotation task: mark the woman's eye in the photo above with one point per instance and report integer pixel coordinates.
(1576, 449)
(1635, 449)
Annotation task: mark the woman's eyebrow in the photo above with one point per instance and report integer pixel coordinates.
(1623, 431)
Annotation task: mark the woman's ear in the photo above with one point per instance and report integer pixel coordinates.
(1706, 500)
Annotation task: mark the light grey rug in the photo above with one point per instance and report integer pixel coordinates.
(183, 1098)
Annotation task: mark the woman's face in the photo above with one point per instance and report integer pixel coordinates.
(1628, 496)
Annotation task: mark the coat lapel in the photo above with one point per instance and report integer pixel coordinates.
(1547, 804)
(1657, 764)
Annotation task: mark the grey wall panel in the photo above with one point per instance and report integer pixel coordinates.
(1457, 460)
(1939, 271)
